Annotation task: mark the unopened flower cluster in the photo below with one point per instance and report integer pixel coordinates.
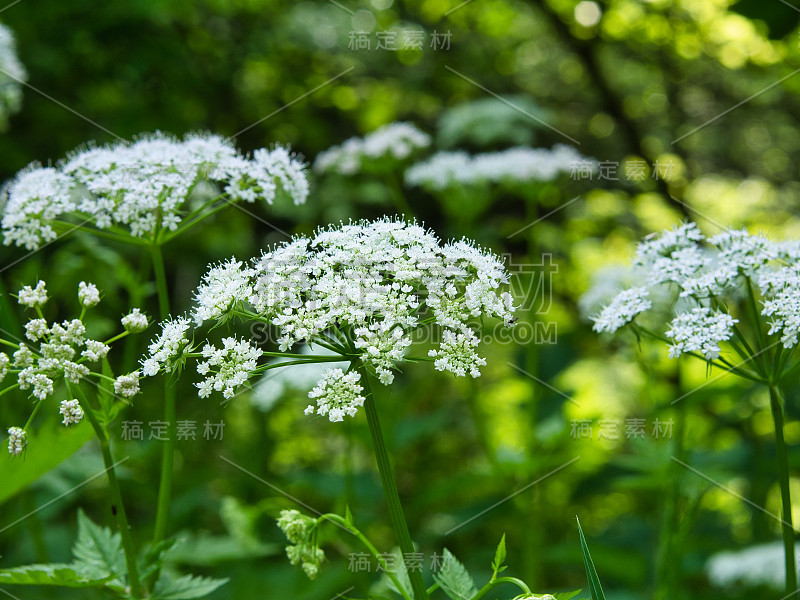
(303, 550)
(521, 164)
(12, 76)
(55, 351)
(706, 278)
(359, 290)
(144, 186)
(395, 141)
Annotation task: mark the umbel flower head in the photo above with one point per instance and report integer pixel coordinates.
(734, 287)
(12, 76)
(145, 188)
(303, 550)
(385, 145)
(53, 353)
(521, 164)
(359, 290)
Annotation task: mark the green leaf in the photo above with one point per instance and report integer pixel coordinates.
(47, 448)
(185, 587)
(499, 556)
(454, 579)
(348, 516)
(595, 588)
(99, 551)
(53, 574)
(566, 595)
(154, 557)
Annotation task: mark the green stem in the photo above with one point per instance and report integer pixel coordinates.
(168, 450)
(500, 580)
(334, 518)
(787, 529)
(390, 488)
(116, 500)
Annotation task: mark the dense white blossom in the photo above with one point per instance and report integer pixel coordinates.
(12, 76)
(88, 294)
(167, 347)
(228, 367)
(337, 394)
(700, 330)
(134, 321)
(362, 289)
(71, 411)
(144, 186)
(127, 386)
(520, 164)
(396, 141)
(622, 309)
(33, 297)
(4, 362)
(17, 440)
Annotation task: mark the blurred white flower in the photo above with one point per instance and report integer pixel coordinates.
(12, 76)
(395, 141)
(753, 566)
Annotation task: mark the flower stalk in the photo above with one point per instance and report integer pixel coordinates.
(396, 513)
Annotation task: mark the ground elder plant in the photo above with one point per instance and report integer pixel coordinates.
(12, 76)
(731, 300)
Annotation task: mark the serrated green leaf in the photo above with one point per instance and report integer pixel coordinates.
(595, 589)
(185, 587)
(64, 575)
(402, 575)
(499, 556)
(98, 551)
(454, 579)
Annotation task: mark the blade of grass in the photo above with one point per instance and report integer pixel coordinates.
(591, 573)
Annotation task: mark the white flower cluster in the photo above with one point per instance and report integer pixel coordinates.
(62, 347)
(167, 349)
(134, 321)
(700, 330)
(12, 76)
(228, 367)
(71, 411)
(395, 141)
(363, 288)
(761, 565)
(707, 278)
(17, 440)
(127, 386)
(337, 394)
(143, 186)
(521, 164)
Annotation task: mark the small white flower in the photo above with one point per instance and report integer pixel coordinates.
(88, 294)
(33, 297)
(223, 287)
(456, 354)
(71, 411)
(36, 329)
(134, 321)
(17, 440)
(12, 76)
(127, 386)
(4, 362)
(95, 350)
(337, 394)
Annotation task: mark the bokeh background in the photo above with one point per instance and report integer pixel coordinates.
(709, 87)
